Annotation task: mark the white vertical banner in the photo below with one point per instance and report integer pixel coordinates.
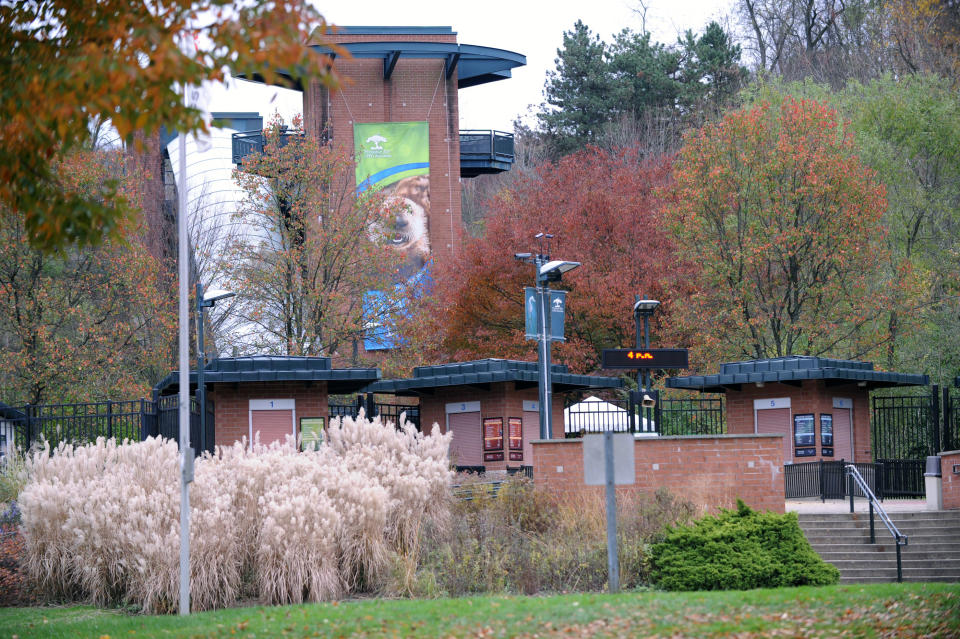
(199, 98)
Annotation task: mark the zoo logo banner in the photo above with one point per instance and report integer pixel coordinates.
(388, 152)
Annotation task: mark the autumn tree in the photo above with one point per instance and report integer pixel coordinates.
(67, 63)
(83, 323)
(601, 207)
(926, 34)
(310, 249)
(785, 225)
(907, 129)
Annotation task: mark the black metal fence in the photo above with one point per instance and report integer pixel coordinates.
(167, 422)
(689, 416)
(902, 477)
(827, 479)
(128, 419)
(695, 416)
(386, 411)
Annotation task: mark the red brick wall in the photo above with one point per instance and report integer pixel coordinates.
(232, 405)
(709, 471)
(417, 91)
(812, 397)
(502, 400)
(951, 481)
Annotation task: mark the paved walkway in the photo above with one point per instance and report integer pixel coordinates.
(815, 506)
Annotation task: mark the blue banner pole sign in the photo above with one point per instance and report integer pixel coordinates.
(555, 319)
(530, 311)
(558, 307)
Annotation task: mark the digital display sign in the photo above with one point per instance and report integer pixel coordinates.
(633, 358)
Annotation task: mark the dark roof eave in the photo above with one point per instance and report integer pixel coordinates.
(872, 379)
(475, 64)
(342, 379)
(563, 382)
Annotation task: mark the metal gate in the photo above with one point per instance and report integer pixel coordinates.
(828, 480)
(914, 426)
(906, 430)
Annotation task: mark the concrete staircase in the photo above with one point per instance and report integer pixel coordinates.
(932, 554)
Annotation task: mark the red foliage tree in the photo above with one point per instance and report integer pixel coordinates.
(601, 208)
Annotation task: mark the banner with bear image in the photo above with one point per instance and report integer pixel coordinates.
(395, 157)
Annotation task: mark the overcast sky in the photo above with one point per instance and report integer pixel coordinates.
(532, 28)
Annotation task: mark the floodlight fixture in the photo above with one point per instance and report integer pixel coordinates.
(212, 297)
(645, 307)
(552, 271)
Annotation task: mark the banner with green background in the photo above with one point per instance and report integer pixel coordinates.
(388, 152)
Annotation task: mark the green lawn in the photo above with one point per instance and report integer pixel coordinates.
(885, 610)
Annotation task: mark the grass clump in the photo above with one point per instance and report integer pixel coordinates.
(739, 550)
(527, 541)
(100, 522)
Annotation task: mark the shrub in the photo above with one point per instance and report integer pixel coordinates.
(12, 475)
(101, 522)
(738, 550)
(526, 540)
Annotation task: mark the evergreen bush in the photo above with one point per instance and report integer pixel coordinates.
(738, 550)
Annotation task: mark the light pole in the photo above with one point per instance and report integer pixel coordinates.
(644, 309)
(204, 301)
(546, 271)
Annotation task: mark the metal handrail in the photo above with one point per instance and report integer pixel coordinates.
(900, 538)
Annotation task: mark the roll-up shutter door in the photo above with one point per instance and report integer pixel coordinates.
(273, 425)
(467, 443)
(777, 421)
(842, 439)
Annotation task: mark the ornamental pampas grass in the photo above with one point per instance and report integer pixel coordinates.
(101, 521)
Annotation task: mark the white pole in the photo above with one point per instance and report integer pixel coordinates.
(184, 352)
(184, 357)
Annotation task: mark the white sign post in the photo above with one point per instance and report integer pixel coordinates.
(608, 461)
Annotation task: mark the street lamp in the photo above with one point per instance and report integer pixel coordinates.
(204, 301)
(547, 271)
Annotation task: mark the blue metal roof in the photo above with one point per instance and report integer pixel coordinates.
(269, 368)
(793, 369)
(389, 30)
(488, 371)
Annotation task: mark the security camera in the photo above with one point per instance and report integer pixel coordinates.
(649, 400)
(553, 270)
